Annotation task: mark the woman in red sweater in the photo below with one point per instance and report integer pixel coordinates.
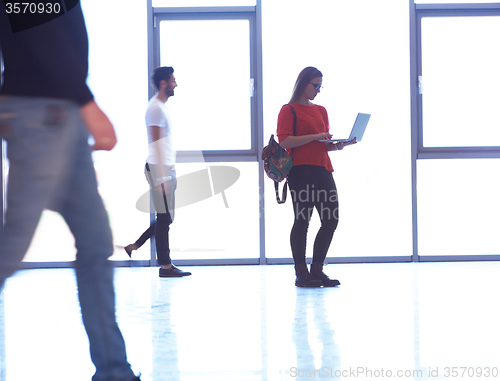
(310, 180)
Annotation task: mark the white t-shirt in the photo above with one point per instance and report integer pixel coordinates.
(157, 114)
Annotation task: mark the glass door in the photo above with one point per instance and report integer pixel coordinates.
(460, 81)
(211, 59)
(217, 215)
(459, 134)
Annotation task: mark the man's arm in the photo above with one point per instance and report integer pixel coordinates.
(53, 63)
(99, 126)
(160, 170)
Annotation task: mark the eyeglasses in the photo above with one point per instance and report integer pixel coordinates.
(317, 86)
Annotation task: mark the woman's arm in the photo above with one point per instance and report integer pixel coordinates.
(297, 141)
(340, 145)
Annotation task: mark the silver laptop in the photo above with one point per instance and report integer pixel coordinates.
(357, 131)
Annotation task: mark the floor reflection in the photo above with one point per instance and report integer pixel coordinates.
(318, 355)
(417, 322)
(164, 337)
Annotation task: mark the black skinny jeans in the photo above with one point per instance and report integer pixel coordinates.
(312, 187)
(160, 228)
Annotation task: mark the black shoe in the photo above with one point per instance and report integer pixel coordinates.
(317, 272)
(327, 282)
(172, 272)
(129, 248)
(304, 279)
(308, 282)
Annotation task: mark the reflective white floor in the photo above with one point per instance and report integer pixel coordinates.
(424, 321)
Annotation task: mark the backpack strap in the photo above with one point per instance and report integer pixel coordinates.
(285, 186)
(283, 193)
(294, 119)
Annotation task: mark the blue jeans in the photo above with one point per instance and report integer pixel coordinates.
(50, 167)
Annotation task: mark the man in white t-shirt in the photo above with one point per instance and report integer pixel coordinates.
(160, 171)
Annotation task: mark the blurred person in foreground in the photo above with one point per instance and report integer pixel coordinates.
(46, 114)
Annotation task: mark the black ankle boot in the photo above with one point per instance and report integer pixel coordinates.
(304, 279)
(317, 272)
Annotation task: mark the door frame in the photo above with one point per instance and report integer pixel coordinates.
(418, 151)
(254, 15)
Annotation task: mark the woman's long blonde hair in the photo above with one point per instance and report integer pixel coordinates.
(304, 78)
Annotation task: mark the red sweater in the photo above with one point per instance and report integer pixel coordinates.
(310, 120)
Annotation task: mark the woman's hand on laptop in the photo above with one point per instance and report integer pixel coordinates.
(349, 142)
(323, 136)
(340, 145)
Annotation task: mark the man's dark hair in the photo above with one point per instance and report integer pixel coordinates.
(161, 73)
